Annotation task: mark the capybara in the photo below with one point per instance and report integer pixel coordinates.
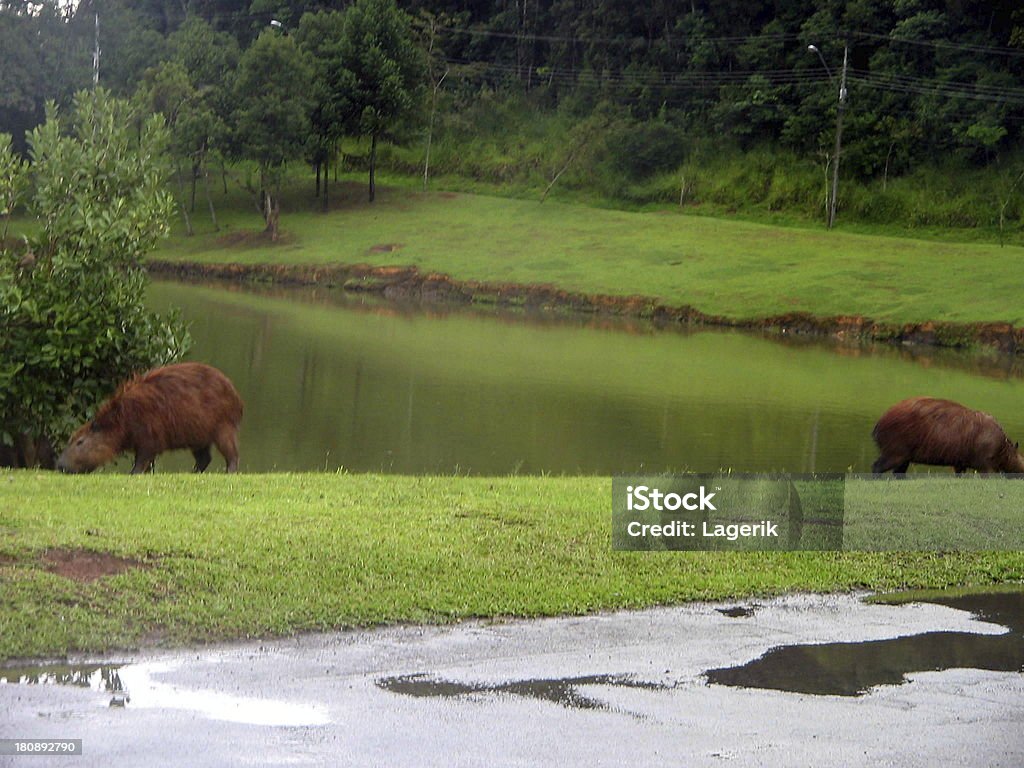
(187, 405)
(926, 430)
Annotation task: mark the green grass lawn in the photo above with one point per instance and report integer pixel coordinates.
(257, 555)
(733, 268)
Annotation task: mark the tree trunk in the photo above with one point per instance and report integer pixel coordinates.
(325, 203)
(209, 199)
(885, 176)
(28, 452)
(430, 129)
(195, 176)
(373, 166)
(317, 165)
(271, 214)
(184, 208)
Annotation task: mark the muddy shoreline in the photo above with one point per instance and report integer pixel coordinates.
(409, 283)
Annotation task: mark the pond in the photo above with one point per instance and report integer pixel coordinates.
(334, 380)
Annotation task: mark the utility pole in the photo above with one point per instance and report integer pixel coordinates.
(96, 56)
(839, 140)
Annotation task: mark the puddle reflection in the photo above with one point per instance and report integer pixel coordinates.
(135, 684)
(852, 669)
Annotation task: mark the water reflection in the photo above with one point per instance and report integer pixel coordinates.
(136, 685)
(563, 691)
(852, 669)
(335, 380)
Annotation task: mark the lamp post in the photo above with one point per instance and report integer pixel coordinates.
(839, 127)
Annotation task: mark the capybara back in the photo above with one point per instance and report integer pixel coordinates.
(187, 406)
(927, 430)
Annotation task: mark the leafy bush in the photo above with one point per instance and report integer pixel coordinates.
(72, 319)
(639, 150)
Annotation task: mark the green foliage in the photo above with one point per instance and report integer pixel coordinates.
(13, 180)
(639, 150)
(320, 35)
(272, 100)
(42, 57)
(72, 319)
(383, 76)
(271, 118)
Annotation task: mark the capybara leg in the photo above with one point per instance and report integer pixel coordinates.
(203, 458)
(143, 463)
(227, 444)
(901, 469)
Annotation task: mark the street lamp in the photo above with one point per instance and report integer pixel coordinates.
(839, 127)
(277, 24)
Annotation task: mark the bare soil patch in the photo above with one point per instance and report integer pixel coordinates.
(84, 566)
(386, 247)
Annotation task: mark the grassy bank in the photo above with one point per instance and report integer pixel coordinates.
(730, 268)
(240, 556)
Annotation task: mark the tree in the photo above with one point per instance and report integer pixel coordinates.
(384, 71)
(437, 72)
(40, 59)
(271, 114)
(320, 35)
(73, 321)
(189, 89)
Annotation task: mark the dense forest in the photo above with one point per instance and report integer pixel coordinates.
(927, 80)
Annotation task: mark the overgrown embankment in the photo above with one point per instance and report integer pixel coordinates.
(409, 283)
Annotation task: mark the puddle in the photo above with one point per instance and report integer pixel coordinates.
(133, 686)
(852, 669)
(737, 611)
(104, 678)
(562, 691)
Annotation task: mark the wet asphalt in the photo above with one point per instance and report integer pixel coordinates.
(896, 685)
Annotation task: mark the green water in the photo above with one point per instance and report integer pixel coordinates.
(331, 381)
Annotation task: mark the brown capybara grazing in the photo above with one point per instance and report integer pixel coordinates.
(184, 406)
(926, 430)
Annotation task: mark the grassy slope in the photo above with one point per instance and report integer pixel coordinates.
(240, 556)
(733, 268)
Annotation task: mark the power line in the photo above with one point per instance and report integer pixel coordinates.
(968, 47)
(657, 78)
(624, 39)
(751, 79)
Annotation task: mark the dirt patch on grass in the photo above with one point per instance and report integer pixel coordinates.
(85, 566)
(386, 247)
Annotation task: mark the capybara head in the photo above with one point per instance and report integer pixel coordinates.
(89, 448)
